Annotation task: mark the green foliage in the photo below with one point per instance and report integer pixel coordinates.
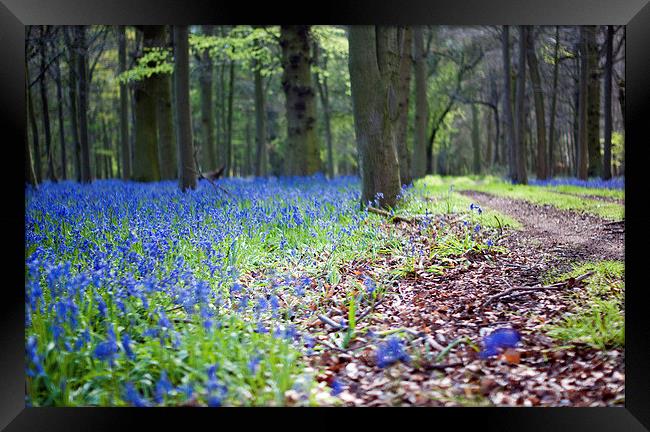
(156, 60)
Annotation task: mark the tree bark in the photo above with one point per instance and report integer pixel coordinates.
(582, 160)
(303, 154)
(593, 105)
(73, 98)
(82, 65)
(406, 55)
(540, 116)
(231, 96)
(207, 111)
(164, 118)
(551, 130)
(124, 107)
(421, 105)
(187, 167)
(323, 91)
(607, 157)
(45, 106)
(34, 127)
(30, 173)
(507, 106)
(374, 78)
(146, 167)
(476, 144)
(261, 159)
(59, 97)
(520, 110)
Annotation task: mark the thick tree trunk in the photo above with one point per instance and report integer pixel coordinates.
(146, 165)
(59, 97)
(261, 157)
(303, 154)
(124, 107)
(187, 169)
(551, 130)
(421, 105)
(30, 173)
(374, 77)
(540, 116)
(46, 108)
(231, 97)
(34, 127)
(582, 160)
(607, 157)
(476, 144)
(164, 118)
(323, 91)
(507, 106)
(520, 110)
(207, 111)
(593, 105)
(73, 100)
(82, 65)
(406, 58)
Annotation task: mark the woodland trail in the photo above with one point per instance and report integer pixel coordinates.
(440, 310)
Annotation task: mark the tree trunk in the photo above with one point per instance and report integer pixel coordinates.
(187, 169)
(551, 130)
(207, 111)
(582, 161)
(303, 154)
(507, 106)
(73, 99)
(124, 107)
(46, 108)
(164, 119)
(261, 159)
(323, 91)
(82, 65)
(374, 78)
(520, 109)
(476, 144)
(34, 127)
(593, 105)
(231, 96)
(421, 105)
(30, 173)
(406, 55)
(59, 97)
(607, 158)
(146, 167)
(540, 116)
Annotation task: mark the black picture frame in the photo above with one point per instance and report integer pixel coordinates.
(15, 14)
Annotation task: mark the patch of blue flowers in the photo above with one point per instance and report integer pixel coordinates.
(145, 288)
(613, 183)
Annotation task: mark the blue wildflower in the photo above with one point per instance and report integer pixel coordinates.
(337, 387)
(163, 387)
(369, 284)
(391, 352)
(499, 339)
(133, 397)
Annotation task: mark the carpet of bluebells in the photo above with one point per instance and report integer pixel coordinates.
(597, 183)
(141, 295)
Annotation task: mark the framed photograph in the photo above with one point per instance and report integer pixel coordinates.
(352, 204)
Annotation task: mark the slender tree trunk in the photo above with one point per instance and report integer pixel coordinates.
(421, 105)
(82, 65)
(520, 147)
(249, 148)
(59, 97)
(30, 173)
(507, 106)
(303, 154)
(551, 130)
(124, 106)
(540, 115)
(222, 155)
(607, 159)
(583, 152)
(207, 111)
(593, 105)
(187, 169)
(374, 77)
(34, 127)
(46, 108)
(406, 58)
(261, 160)
(323, 91)
(231, 96)
(146, 165)
(165, 120)
(73, 98)
(476, 144)
(489, 144)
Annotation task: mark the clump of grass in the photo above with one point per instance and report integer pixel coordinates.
(599, 318)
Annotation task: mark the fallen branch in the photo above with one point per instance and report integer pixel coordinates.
(527, 289)
(393, 217)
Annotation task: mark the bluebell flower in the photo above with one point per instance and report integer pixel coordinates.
(369, 284)
(163, 387)
(391, 352)
(254, 363)
(337, 387)
(499, 339)
(133, 397)
(477, 228)
(126, 346)
(490, 243)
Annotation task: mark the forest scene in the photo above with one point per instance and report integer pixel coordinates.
(234, 215)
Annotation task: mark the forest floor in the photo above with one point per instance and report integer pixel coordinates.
(442, 311)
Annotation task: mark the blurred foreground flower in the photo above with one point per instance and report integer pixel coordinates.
(498, 340)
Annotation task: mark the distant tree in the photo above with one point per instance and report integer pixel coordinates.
(261, 154)
(30, 174)
(303, 154)
(520, 110)
(476, 142)
(70, 37)
(607, 83)
(593, 104)
(507, 106)
(164, 116)
(207, 109)
(540, 116)
(323, 91)
(59, 100)
(374, 77)
(82, 67)
(421, 106)
(405, 41)
(186, 167)
(582, 161)
(124, 107)
(44, 102)
(551, 130)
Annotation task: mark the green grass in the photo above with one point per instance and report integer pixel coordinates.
(577, 190)
(599, 318)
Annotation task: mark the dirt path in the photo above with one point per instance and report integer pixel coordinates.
(556, 236)
(438, 309)
(594, 197)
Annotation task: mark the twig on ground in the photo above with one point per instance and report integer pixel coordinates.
(392, 217)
